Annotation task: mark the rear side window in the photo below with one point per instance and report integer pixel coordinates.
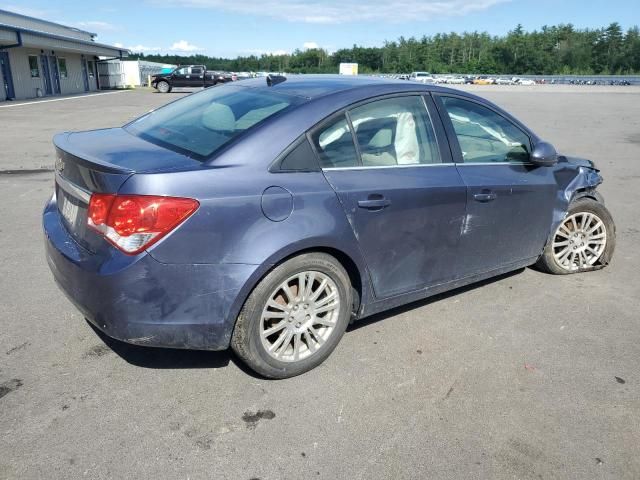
(334, 144)
(485, 136)
(395, 131)
(202, 123)
(300, 158)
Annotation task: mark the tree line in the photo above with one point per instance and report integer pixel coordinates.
(561, 49)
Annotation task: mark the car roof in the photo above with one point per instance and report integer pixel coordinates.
(314, 86)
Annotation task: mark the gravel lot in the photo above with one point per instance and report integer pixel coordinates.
(526, 376)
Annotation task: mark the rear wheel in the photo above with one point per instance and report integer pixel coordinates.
(295, 316)
(163, 87)
(585, 240)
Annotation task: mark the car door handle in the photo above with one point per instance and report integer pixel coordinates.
(374, 204)
(485, 197)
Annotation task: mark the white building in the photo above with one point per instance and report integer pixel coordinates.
(40, 58)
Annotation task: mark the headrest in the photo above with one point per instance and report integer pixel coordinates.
(219, 117)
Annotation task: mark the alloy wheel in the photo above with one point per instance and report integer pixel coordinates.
(300, 316)
(579, 241)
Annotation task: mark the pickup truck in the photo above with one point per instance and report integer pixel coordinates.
(422, 77)
(191, 76)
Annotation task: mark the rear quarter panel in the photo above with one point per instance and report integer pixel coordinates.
(230, 227)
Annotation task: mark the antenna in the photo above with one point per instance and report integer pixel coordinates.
(275, 79)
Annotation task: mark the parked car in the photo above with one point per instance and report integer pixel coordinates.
(195, 76)
(525, 81)
(620, 82)
(456, 80)
(503, 81)
(422, 77)
(483, 80)
(242, 75)
(266, 216)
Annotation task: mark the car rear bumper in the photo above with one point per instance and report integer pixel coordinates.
(139, 300)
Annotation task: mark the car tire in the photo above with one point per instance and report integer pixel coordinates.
(575, 247)
(300, 319)
(163, 86)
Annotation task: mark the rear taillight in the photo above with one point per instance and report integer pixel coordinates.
(135, 222)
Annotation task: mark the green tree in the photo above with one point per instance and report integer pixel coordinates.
(561, 49)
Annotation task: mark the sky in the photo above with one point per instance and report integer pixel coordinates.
(230, 28)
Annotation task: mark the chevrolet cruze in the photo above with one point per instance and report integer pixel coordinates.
(266, 215)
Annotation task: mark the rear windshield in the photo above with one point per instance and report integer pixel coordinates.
(202, 123)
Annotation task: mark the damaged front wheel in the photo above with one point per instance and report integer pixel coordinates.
(585, 240)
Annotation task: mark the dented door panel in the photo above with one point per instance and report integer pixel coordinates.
(410, 238)
(514, 223)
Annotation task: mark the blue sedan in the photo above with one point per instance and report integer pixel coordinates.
(266, 215)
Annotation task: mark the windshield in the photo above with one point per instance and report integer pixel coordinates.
(202, 123)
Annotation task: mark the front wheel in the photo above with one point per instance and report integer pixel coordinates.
(585, 240)
(294, 317)
(163, 87)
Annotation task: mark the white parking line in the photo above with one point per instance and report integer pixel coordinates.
(37, 102)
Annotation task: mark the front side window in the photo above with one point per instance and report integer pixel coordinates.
(62, 67)
(202, 123)
(181, 71)
(334, 144)
(33, 66)
(395, 131)
(485, 136)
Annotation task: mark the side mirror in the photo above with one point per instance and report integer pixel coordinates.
(544, 155)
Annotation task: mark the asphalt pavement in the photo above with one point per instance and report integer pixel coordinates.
(527, 376)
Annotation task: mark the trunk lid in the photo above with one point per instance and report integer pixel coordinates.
(101, 161)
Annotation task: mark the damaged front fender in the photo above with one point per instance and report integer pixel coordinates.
(576, 178)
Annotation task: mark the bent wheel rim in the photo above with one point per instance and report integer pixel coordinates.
(300, 316)
(579, 241)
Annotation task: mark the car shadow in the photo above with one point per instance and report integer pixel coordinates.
(169, 358)
(178, 92)
(158, 358)
(427, 301)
